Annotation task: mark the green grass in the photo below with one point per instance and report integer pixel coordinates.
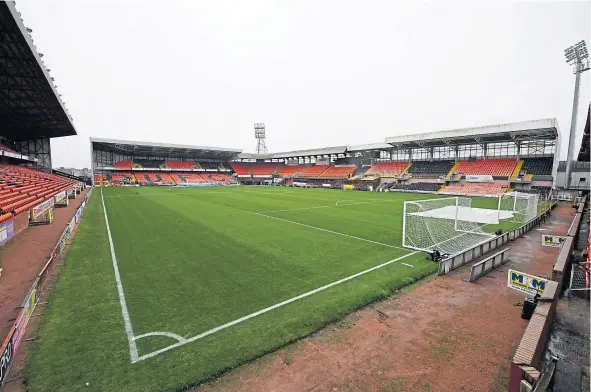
(193, 259)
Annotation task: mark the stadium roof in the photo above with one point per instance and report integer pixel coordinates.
(30, 106)
(373, 146)
(295, 154)
(525, 130)
(161, 149)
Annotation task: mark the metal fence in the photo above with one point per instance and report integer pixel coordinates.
(580, 277)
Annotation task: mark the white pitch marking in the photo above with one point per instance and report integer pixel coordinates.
(327, 206)
(329, 231)
(168, 334)
(408, 265)
(265, 310)
(126, 319)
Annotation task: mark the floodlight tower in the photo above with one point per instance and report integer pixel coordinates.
(577, 56)
(259, 134)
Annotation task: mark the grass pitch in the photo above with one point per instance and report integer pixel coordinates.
(192, 260)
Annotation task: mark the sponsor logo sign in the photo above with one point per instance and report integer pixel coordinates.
(6, 231)
(24, 316)
(6, 359)
(525, 283)
(555, 241)
(483, 178)
(60, 196)
(39, 209)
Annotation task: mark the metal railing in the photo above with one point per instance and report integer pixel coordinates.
(482, 267)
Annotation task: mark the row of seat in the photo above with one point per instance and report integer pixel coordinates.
(475, 188)
(386, 169)
(430, 169)
(164, 178)
(492, 167)
(22, 188)
(170, 163)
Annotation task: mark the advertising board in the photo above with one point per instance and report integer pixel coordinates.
(60, 196)
(475, 178)
(554, 241)
(6, 231)
(525, 283)
(39, 209)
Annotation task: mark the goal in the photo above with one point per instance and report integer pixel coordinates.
(518, 207)
(449, 225)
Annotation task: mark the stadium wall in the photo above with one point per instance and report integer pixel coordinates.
(527, 358)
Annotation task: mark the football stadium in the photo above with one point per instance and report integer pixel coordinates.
(174, 264)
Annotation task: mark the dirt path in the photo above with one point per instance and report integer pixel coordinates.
(444, 335)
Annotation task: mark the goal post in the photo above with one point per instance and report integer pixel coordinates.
(518, 206)
(449, 225)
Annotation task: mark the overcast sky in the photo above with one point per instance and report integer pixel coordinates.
(317, 72)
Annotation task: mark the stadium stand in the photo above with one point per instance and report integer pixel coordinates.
(217, 178)
(387, 169)
(4, 148)
(209, 165)
(312, 171)
(360, 172)
(22, 188)
(290, 171)
(171, 164)
(148, 163)
(417, 186)
(191, 178)
(240, 168)
(475, 188)
(123, 178)
(265, 169)
(492, 167)
(537, 166)
(427, 169)
(125, 164)
(340, 172)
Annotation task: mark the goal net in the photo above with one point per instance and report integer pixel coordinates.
(449, 225)
(520, 207)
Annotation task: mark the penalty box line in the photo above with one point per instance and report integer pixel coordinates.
(329, 231)
(265, 310)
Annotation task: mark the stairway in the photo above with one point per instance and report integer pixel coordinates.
(452, 170)
(517, 170)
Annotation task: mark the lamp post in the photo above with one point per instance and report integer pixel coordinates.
(576, 56)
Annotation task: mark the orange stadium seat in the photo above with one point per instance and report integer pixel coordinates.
(338, 172)
(290, 171)
(312, 171)
(492, 167)
(179, 164)
(126, 164)
(475, 188)
(239, 168)
(264, 169)
(386, 169)
(21, 188)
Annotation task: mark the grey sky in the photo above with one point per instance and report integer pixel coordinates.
(317, 73)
